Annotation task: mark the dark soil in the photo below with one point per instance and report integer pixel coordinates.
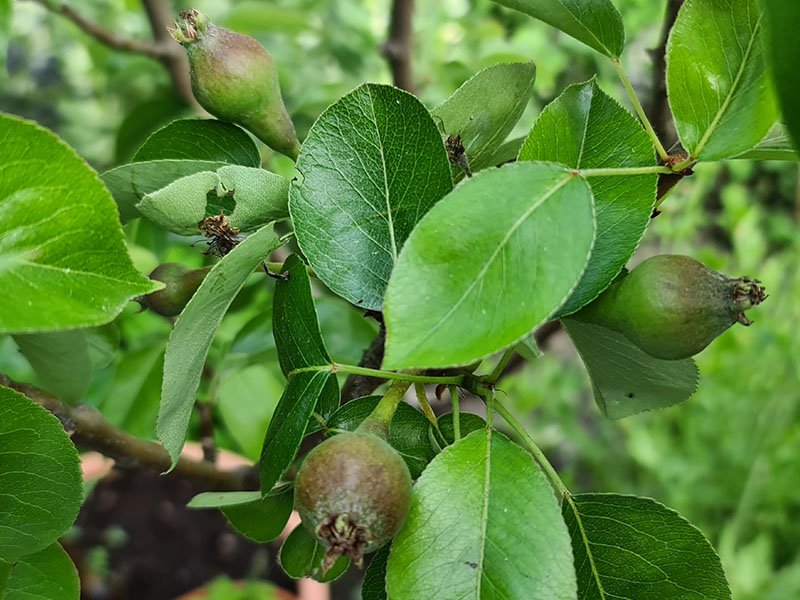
(136, 540)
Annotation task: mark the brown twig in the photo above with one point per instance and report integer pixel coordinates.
(153, 50)
(658, 110)
(163, 49)
(89, 429)
(159, 13)
(206, 430)
(357, 386)
(397, 48)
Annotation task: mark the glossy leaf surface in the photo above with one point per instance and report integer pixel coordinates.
(717, 78)
(301, 556)
(294, 320)
(372, 165)
(631, 547)
(484, 523)
(782, 22)
(584, 128)
(46, 575)
(596, 23)
(58, 232)
(484, 110)
(304, 392)
(625, 379)
(488, 264)
(194, 331)
(40, 477)
(200, 139)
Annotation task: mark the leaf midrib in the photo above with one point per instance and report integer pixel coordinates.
(389, 218)
(487, 472)
(585, 540)
(589, 31)
(729, 97)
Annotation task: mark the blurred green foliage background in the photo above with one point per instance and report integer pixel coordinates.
(727, 459)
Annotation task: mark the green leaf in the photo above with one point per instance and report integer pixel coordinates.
(303, 393)
(253, 17)
(133, 399)
(631, 547)
(294, 320)
(59, 233)
(484, 523)
(40, 477)
(596, 23)
(223, 499)
(373, 586)
(584, 128)
(5, 18)
(625, 379)
(782, 22)
(467, 423)
(346, 330)
(776, 145)
(5, 573)
(45, 575)
(717, 80)
(489, 263)
(130, 183)
(301, 556)
(60, 360)
(485, 109)
(194, 331)
(260, 518)
(103, 344)
(372, 165)
(249, 197)
(408, 431)
(246, 400)
(528, 348)
(143, 119)
(201, 139)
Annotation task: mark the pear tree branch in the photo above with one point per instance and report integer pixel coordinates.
(398, 46)
(90, 430)
(163, 48)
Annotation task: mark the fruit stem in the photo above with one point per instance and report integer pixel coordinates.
(389, 375)
(497, 372)
(621, 171)
(380, 418)
(422, 398)
(456, 414)
(662, 153)
(526, 437)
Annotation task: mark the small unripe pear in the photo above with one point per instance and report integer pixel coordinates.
(235, 79)
(180, 284)
(353, 493)
(673, 306)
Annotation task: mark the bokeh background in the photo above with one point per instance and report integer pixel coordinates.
(727, 459)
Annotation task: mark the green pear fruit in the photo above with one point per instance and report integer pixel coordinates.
(235, 79)
(353, 493)
(673, 306)
(180, 284)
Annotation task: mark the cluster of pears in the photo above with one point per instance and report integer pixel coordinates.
(353, 491)
(673, 306)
